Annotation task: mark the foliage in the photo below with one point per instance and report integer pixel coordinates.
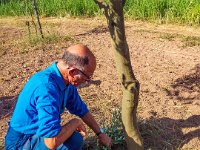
(114, 130)
(164, 11)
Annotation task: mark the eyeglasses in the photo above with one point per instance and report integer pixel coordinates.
(88, 77)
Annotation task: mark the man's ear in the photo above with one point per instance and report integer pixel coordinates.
(72, 71)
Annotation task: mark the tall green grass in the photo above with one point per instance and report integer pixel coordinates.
(49, 7)
(178, 11)
(181, 11)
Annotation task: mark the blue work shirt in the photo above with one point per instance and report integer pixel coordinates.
(42, 101)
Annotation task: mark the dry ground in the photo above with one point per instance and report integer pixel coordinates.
(165, 59)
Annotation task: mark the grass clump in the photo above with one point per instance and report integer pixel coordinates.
(190, 41)
(36, 42)
(48, 39)
(167, 36)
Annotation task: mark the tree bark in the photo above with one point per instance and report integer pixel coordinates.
(130, 85)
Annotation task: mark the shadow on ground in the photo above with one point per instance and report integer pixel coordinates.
(97, 30)
(7, 104)
(186, 88)
(159, 134)
(166, 133)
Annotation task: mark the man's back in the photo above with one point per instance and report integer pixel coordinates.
(41, 85)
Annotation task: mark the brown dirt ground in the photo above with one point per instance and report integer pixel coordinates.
(165, 59)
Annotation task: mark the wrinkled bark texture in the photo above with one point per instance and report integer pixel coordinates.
(130, 85)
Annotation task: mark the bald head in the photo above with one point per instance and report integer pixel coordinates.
(81, 57)
(79, 50)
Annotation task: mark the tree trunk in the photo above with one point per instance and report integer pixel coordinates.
(130, 86)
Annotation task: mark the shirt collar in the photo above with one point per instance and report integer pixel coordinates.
(58, 77)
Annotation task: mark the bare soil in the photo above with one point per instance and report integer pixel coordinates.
(165, 60)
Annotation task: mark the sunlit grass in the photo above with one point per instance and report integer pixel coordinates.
(164, 11)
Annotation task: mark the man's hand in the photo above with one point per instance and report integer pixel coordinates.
(105, 140)
(81, 129)
(91, 122)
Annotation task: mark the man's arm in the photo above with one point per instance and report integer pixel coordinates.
(66, 131)
(91, 122)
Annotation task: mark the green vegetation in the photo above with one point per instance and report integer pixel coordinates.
(112, 128)
(181, 11)
(178, 11)
(191, 41)
(49, 7)
(115, 130)
(51, 38)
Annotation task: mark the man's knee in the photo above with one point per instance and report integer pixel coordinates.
(75, 142)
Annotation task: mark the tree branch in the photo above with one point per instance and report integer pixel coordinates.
(101, 3)
(103, 6)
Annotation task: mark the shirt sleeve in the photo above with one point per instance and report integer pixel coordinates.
(75, 105)
(47, 105)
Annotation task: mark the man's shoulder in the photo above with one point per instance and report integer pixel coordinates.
(43, 76)
(42, 80)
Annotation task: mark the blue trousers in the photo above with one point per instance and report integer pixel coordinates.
(18, 141)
